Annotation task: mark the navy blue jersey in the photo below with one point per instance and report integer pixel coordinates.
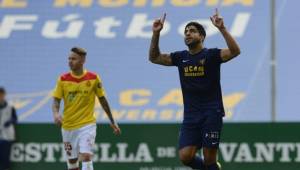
(200, 80)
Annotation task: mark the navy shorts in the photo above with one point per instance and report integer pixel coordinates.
(201, 130)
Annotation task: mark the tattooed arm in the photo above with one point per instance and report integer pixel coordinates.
(107, 110)
(55, 110)
(154, 53)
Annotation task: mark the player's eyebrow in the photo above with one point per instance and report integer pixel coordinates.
(190, 29)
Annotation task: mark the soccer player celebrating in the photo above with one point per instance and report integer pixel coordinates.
(78, 89)
(199, 72)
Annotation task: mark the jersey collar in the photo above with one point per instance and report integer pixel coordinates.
(80, 76)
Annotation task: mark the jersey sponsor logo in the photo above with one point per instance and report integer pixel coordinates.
(73, 94)
(194, 71)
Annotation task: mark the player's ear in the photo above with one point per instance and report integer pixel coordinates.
(202, 38)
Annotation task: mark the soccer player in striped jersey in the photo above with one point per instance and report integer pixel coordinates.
(78, 89)
(199, 72)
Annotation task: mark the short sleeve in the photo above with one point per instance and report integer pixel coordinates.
(215, 55)
(175, 57)
(58, 91)
(99, 87)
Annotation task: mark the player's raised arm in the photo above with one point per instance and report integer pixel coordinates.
(107, 110)
(233, 49)
(154, 53)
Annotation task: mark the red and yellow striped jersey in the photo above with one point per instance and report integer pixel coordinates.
(78, 94)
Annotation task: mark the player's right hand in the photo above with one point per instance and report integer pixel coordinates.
(57, 119)
(217, 20)
(116, 129)
(158, 24)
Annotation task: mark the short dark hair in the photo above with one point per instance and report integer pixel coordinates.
(80, 51)
(2, 90)
(199, 27)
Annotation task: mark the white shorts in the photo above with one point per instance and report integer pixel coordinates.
(79, 141)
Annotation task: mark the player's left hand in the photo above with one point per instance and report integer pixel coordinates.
(217, 20)
(116, 129)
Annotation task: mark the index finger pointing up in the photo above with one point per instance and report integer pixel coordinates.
(163, 18)
(217, 12)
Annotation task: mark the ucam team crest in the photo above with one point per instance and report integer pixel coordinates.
(202, 61)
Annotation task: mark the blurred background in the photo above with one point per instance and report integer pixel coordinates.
(260, 87)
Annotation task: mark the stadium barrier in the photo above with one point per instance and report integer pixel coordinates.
(245, 146)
